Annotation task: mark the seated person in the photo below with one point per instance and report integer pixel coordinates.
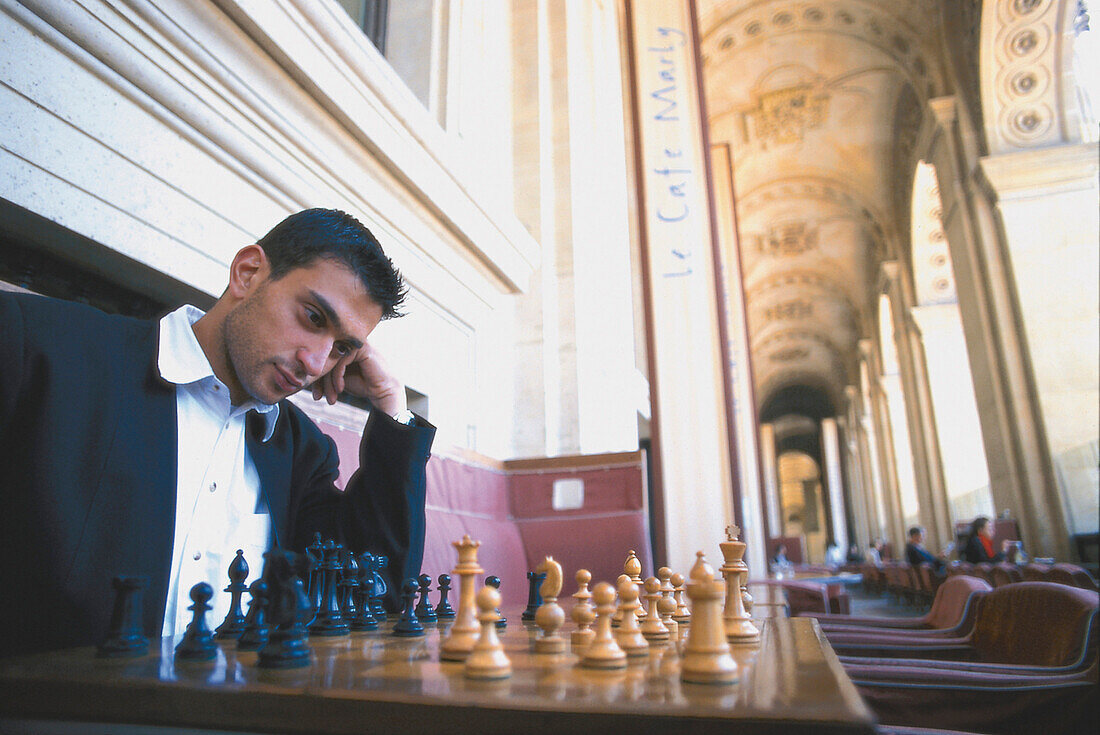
(854, 555)
(158, 448)
(833, 557)
(916, 554)
(874, 552)
(979, 546)
(780, 560)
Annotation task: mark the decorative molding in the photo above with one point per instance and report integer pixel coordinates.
(786, 239)
(1026, 83)
(783, 116)
(874, 26)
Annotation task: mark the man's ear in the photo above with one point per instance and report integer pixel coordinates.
(248, 270)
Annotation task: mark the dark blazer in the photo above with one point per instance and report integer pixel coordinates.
(88, 458)
(974, 552)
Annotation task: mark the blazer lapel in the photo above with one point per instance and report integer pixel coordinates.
(274, 462)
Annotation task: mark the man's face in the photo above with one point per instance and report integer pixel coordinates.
(287, 333)
(917, 538)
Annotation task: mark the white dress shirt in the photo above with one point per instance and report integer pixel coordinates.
(219, 506)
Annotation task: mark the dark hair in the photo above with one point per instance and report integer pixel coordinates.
(312, 234)
(915, 530)
(977, 524)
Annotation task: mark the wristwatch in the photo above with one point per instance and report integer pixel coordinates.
(405, 417)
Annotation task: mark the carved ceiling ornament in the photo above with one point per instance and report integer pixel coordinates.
(821, 188)
(789, 310)
(802, 281)
(1025, 48)
(786, 239)
(783, 116)
(875, 26)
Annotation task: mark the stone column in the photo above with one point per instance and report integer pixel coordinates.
(1021, 473)
(857, 440)
(927, 463)
(770, 475)
(1056, 284)
(884, 442)
(830, 455)
(853, 476)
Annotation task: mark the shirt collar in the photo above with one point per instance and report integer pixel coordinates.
(181, 361)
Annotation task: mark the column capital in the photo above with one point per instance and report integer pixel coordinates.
(945, 110)
(1040, 171)
(889, 274)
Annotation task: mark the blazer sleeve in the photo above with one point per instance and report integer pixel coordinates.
(383, 503)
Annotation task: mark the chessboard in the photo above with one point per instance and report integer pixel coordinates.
(325, 658)
(376, 682)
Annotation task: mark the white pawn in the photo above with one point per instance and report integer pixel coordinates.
(682, 614)
(604, 652)
(707, 658)
(667, 605)
(617, 618)
(630, 636)
(583, 613)
(487, 659)
(549, 616)
(653, 628)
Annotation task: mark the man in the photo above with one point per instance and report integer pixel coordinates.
(158, 449)
(916, 554)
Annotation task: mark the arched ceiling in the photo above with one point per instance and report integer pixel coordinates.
(820, 103)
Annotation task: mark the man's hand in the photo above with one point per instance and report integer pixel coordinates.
(363, 373)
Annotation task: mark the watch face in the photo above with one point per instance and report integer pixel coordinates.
(404, 417)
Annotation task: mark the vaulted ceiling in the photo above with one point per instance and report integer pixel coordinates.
(820, 103)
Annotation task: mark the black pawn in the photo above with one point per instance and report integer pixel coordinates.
(125, 640)
(443, 610)
(408, 626)
(378, 609)
(329, 621)
(349, 587)
(256, 629)
(494, 582)
(365, 620)
(234, 622)
(289, 609)
(424, 610)
(534, 599)
(198, 644)
(313, 557)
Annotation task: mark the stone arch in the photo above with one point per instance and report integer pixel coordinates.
(1025, 66)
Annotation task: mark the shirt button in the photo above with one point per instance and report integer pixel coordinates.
(197, 555)
(213, 487)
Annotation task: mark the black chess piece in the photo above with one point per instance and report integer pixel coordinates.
(313, 557)
(494, 582)
(198, 644)
(408, 626)
(365, 620)
(424, 610)
(443, 610)
(256, 628)
(534, 598)
(234, 622)
(329, 621)
(125, 639)
(349, 587)
(380, 588)
(289, 609)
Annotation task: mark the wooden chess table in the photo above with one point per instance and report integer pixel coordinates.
(374, 682)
